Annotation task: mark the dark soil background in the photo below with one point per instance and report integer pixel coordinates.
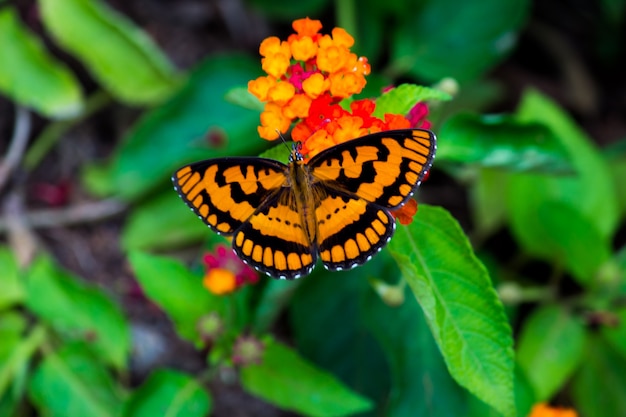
(567, 50)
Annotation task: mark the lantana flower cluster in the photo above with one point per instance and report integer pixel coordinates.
(308, 75)
(225, 272)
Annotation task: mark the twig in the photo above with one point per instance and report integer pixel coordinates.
(21, 132)
(21, 238)
(82, 213)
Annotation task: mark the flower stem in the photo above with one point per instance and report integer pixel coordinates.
(345, 10)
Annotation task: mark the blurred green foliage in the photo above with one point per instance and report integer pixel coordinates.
(446, 348)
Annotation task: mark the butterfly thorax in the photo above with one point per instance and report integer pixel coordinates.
(301, 182)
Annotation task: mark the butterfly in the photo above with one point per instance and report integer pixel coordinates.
(336, 207)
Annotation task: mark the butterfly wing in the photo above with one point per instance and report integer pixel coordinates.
(225, 192)
(274, 241)
(350, 230)
(357, 183)
(383, 168)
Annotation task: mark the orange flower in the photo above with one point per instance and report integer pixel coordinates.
(298, 107)
(281, 93)
(315, 85)
(303, 49)
(405, 213)
(306, 26)
(225, 272)
(261, 86)
(544, 410)
(220, 281)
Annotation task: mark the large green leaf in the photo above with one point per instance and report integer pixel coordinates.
(73, 383)
(550, 348)
(460, 305)
(599, 385)
(500, 142)
(536, 202)
(78, 311)
(290, 382)
(177, 291)
(119, 54)
(197, 123)
(168, 393)
(447, 38)
(336, 337)
(31, 76)
(11, 286)
(422, 385)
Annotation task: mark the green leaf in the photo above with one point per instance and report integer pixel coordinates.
(550, 348)
(16, 351)
(177, 291)
(616, 336)
(128, 63)
(501, 142)
(240, 96)
(177, 224)
(31, 76)
(168, 393)
(401, 99)
(288, 381)
(12, 289)
(524, 400)
(73, 383)
(275, 296)
(599, 385)
(460, 305)
(78, 311)
(422, 385)
(447, 38)
(618, 172)
(336, 337)
(590, 193)
(570, 238)
(487, 207)
(195, 124)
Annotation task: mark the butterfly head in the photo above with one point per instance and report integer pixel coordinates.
(296, 155)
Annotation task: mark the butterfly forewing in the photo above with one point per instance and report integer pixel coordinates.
(384, 168)
(274, 241)
(225, 192)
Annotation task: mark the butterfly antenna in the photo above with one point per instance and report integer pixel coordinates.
(282, 138)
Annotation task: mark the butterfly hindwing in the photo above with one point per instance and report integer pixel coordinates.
(225, 192)
(274, 239)
(383, 168)
(350, 230)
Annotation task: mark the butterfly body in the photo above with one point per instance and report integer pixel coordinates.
(336, 207)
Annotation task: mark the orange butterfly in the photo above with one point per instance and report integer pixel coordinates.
(337, 207)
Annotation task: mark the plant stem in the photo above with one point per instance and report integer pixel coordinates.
(21, 133)
(345, 10)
